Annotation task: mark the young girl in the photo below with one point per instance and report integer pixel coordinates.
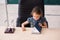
(36, 20)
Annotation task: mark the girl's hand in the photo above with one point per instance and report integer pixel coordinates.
(43, 26)
(40, 24)
(23, 29)
(23, 25)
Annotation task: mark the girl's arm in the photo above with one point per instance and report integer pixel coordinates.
(43, 26)
(23, 25)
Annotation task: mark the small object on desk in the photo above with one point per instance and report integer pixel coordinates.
(37, 28)
(10, 30)
(35, 31)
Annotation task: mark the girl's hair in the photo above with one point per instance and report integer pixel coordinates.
(37, 10)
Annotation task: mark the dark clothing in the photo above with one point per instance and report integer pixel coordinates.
(34, 23)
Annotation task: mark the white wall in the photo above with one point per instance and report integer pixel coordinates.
(52, 13)
(3, 15)
(12, 14)
(2, 1)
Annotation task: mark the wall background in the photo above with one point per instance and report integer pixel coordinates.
(52, 12)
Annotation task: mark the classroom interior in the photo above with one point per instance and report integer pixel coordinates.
(11, 7)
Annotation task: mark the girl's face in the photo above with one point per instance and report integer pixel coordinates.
(36, 16)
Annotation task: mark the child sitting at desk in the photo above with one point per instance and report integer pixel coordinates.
(36, 20)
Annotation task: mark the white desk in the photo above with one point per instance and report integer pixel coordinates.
(47, 34)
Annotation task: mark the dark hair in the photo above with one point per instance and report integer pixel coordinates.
(37, 10)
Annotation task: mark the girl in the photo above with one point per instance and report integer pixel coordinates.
(36, 20)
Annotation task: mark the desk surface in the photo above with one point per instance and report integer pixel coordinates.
(47, 34)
